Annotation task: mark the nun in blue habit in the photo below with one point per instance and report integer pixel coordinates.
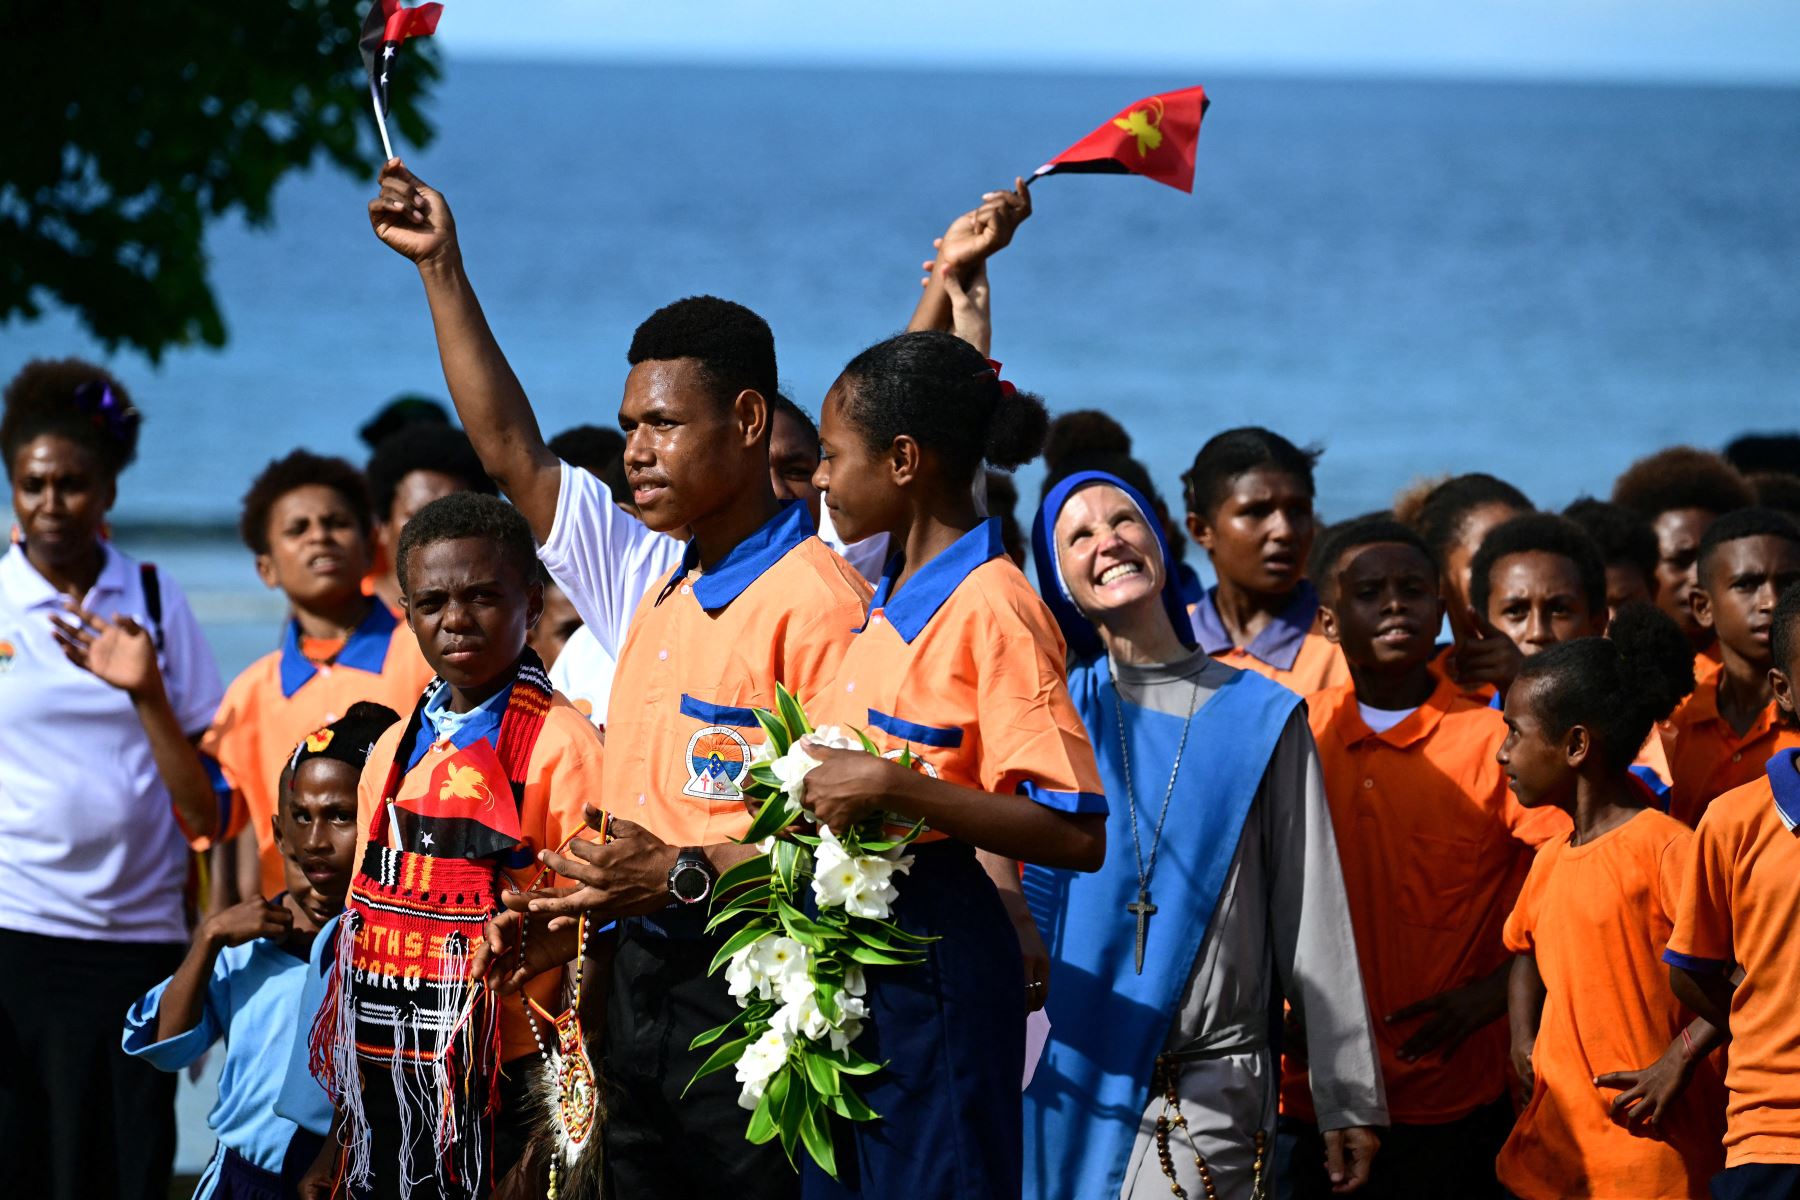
(1221, 896)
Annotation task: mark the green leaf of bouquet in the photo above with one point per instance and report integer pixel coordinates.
(867, 745)
(848, 1105)
(901, 935)
(825, 992)
(776, 815)
(718, 1031)
(822, 1073)
(808, 933)
(750, 900)
(849, 1062)
(725, 1056)
(788, 859)
(764, 777)
(871, 957)
(791, 712)
(794, 1101)
(748, 871)
(776, 729)
(815, 1135)
(762, 1121)
(738, 941)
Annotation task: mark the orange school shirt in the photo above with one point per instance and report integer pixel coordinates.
(1291, 650)
(1707, 758)
(282, 697)
(1434, 849)
(706, 649)
(1738, 906)
(562, 776)
(964, 666)
(1597, 917)
(1443, 666)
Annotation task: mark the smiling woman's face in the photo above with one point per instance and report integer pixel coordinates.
(1108, 552)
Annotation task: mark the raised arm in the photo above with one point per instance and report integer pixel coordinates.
(415, 221)
(962, 252)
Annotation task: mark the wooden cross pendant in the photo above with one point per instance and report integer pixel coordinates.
(1143, 910)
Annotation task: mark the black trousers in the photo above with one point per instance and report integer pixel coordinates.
(80, 1119)
(659, 1145)
(1452, 1161)
(1758, 1181)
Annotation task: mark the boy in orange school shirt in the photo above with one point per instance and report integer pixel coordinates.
(1434, 849)
(757, 599)
(307, 520)
(1737, 911)
(1250, 507)
(1721, 737)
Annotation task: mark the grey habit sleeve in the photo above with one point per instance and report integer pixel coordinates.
(1315, 947)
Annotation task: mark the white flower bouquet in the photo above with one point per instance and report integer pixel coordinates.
(798, 979)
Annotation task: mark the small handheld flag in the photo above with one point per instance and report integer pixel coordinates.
(388, 24)
(1156, 138)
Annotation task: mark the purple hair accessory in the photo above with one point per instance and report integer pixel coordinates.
(110, 414)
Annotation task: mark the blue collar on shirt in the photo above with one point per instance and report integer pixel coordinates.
(365, 649)
(932, 583)
(1784, 781)
(461, 730)
(1278, 644)
(726, 579)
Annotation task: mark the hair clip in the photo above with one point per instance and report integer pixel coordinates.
(993, 369)
(110, 414)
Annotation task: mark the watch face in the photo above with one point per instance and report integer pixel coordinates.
(690, 883)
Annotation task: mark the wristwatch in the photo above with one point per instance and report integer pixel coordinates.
(691, 878)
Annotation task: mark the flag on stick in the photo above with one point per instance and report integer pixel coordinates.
(1155, 138)
(388, 24)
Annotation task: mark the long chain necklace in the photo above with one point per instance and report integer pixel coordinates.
(1143, 910)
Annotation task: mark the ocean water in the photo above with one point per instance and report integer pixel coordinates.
(1540, 280)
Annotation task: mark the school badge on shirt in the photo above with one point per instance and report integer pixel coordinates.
(8, 652)
(717, 757)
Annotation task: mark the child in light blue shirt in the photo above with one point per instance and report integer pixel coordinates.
(243, 977)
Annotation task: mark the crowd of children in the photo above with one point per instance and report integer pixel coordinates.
(1508, 823)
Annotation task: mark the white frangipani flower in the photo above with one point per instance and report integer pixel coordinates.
(764, 967)
(758, 1064)
(860, 884)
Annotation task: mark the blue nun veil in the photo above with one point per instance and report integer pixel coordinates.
(1077, 630)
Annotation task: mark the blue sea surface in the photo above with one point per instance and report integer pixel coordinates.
(1540, 280)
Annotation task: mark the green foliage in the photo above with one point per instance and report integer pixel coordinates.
(131, 126)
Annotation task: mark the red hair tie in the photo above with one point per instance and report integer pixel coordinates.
(993, 368)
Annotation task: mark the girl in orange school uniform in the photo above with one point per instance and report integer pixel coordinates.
(1622, 1100)
(960, 661)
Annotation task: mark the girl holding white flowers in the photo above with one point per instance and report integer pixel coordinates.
(961, 664)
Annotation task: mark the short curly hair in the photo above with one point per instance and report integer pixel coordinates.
(470, 515)
(1235, 452)
(48, 396)
(1682, 477)
(1539, 532)
(301, 468)
(1624, 537)
(424, 447)
(1736, 526)
(732, 345)
(1372, 530)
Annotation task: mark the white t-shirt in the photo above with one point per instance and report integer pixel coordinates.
(89, 847)
(1380, 720)
(583, 673)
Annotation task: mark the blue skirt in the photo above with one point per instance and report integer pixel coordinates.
(951, 1032)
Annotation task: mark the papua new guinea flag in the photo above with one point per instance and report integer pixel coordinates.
(388, 24)
(1156, 138)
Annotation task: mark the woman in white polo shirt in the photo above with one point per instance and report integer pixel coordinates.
(92, 862)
